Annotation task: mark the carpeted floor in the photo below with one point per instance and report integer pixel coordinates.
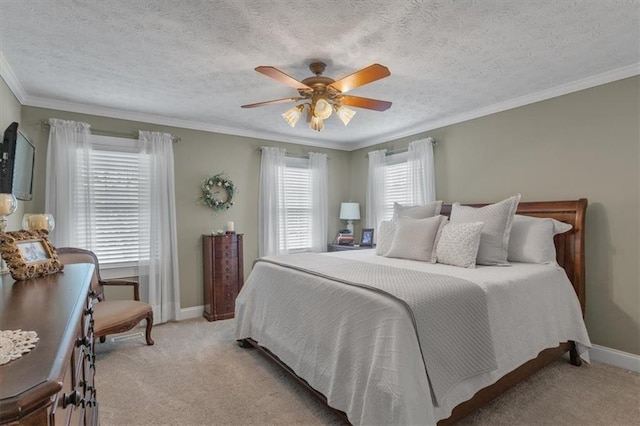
(196, 374)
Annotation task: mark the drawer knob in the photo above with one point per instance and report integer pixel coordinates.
(82, 341)
(73, 398)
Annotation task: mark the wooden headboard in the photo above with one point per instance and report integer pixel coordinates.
(570, 245)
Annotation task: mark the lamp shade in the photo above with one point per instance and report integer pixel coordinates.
(350, 211)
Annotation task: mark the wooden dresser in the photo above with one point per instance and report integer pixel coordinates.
(223, 274)
(54, 383)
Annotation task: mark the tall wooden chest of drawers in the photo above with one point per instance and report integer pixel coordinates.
(223, 274)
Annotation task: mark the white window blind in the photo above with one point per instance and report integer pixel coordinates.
(117, 180)
(295, 217)
(396, 183)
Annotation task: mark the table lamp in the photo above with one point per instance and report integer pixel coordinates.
(350, 212)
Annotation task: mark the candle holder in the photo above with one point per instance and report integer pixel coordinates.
(37, 221)
(8, 205)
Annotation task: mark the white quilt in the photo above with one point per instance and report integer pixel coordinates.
(360, 350)
(449, 314)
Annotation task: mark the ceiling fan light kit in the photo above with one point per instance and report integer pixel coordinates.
(322, 95)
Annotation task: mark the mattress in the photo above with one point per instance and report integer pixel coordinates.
(359, 349)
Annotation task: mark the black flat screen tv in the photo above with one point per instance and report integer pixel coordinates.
(17, 160)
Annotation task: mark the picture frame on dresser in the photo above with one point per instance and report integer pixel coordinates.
(29, 254)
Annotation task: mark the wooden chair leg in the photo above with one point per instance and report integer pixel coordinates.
(149, 325)
(573, 355)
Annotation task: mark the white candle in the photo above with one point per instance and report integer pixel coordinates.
(38, 221)
(230, 227)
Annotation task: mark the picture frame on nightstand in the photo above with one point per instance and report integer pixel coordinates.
(366, 239)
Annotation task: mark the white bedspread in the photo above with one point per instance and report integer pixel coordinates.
(449, 314)
(360, 350)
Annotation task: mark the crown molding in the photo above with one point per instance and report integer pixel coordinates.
(564, 89)
(12, 81)
(173, 122)
(586, 83)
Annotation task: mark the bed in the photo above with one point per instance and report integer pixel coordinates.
(367, 355)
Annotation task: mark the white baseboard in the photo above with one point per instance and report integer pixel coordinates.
(614, 357)
(191, 312)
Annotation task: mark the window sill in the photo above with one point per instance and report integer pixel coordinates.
(115, 272)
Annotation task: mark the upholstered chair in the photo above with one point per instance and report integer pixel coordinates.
(110, 316)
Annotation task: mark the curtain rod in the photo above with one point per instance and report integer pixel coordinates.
(45, 124)
(404, 149)
(291, 154)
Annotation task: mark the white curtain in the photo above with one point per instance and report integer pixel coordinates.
(272, 166)
(319, 176)
(375, 189)
(159, 275)
(68, 155)
(421, 173)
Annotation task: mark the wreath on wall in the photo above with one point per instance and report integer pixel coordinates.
(218, 192)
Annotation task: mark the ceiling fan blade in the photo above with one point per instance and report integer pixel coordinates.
(276, 101)
(367, 103)
(276, 74)
(360, 78)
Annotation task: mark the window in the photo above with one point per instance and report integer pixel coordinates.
(296, 201)
(396, 183)
(116, 180)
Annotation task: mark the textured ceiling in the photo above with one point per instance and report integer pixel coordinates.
(191, 63)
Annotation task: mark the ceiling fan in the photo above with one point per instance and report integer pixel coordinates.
(322, 95)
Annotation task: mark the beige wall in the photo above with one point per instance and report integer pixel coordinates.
(10, 112)
(585, 144)
(197, 156)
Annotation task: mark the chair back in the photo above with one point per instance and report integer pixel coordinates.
(70, 255)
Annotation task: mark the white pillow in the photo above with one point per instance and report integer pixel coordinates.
(386, 231)
(417, 212)
(531, 239)
(415, 238)
(458, 244)
(497, 219)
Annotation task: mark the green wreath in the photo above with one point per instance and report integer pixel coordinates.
(218, 192)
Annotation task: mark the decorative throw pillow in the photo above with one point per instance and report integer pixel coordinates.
(497, 219)
(531, 239)
(417, 212)
(386, 231)
(415, 238)
(458, 244)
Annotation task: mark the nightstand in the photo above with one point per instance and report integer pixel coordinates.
(338, 247)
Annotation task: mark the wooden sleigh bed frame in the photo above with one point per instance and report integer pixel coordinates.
(570, 256)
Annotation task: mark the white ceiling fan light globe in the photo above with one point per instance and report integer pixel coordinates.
(322, 109)
(317, 124)
(345, 114)
(292, 115)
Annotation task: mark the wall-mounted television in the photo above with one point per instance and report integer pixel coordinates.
(17, 160)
